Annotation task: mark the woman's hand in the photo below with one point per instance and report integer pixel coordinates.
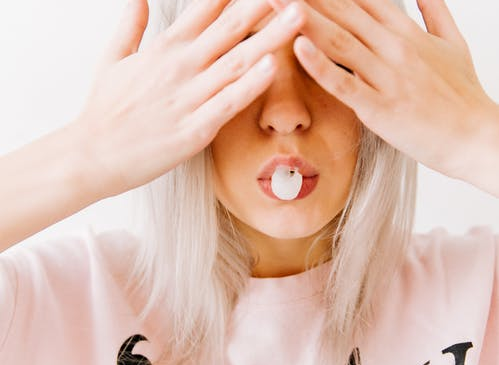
(149, 111)
(417, 90)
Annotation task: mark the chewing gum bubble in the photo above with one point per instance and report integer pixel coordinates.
(286, 182)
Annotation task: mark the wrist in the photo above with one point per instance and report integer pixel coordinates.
(83, 171)
(483, 151)
(44, 182)
(98, 157)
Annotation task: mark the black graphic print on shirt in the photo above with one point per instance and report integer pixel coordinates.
(352, 357)
(459, 350)
(125, 356)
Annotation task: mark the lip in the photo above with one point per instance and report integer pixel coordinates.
(309, 173)
(305, 169)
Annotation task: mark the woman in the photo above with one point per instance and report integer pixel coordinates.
(226, 269)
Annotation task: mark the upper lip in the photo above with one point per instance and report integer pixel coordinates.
(304, 168)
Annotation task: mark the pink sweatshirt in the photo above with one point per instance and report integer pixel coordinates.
(61, 302)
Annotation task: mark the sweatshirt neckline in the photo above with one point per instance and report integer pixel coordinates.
(290, 288)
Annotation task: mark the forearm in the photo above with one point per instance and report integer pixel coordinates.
(43, 183)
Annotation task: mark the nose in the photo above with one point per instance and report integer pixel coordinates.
(284, 110)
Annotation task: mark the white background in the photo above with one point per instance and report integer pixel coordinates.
(49, 51)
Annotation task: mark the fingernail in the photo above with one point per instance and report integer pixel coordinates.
(290, 15)
(308, 47)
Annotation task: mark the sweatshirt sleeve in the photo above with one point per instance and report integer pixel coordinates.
(63, 299)
(8, 293)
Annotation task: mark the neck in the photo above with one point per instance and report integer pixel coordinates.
(281, 257)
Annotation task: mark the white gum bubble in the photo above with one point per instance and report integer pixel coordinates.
(286, 182)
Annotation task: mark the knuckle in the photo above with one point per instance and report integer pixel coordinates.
(227, 107)
(404, 51)
(234, 65)
(172, 104)
(341, 40)
(346, 85)
(322, 69)
(232, 24)
(339, 5)
(201, 134)
(391, 102)
(193, 132)
(172, 71)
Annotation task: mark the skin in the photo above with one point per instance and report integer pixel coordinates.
(417, 89)
(293, 116)
(400, 73)
(149, 111)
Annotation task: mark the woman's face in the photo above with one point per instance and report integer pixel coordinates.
(294, 116)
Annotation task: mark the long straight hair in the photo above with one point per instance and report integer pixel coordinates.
(193, 263)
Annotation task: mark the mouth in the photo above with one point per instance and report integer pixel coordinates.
(310, 176)
(294, 162)
(307, 187)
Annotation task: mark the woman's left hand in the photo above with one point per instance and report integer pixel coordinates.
(417, 90)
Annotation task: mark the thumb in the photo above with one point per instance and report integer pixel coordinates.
(127, 37)
(439, 21)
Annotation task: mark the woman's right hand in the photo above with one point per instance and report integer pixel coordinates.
(149, 111)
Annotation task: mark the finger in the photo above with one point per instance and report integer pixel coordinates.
(238, 60)
(351, 17)
(127, 38)
(344, 48)
(228, 29)
(391, 14)
(203, 124)
(279, 4)
(439, 21)
(347, 88)
(194, 19)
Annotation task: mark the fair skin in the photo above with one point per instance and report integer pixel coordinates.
(419, 93)
(416, 89)
(280, 231)
(295, 116)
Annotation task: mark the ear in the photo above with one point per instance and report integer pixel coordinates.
(439, 21)
(127, 37)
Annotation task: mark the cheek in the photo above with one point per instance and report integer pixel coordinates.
(233, 164)
(237, 152)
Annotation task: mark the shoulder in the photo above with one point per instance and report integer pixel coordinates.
(439, 252)
(116, 248)
(443, 299)
(73, 254)
(450, 267)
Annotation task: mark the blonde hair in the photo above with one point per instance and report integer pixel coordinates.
(193, 263)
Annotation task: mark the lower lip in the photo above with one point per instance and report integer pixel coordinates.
(308, 185)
